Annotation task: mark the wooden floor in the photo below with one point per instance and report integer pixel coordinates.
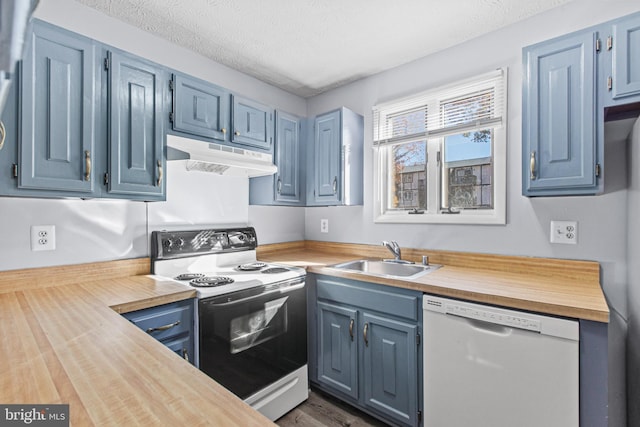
(323, 410)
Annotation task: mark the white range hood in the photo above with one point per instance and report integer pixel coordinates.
(222, 159)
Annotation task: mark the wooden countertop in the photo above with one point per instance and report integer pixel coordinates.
(560, 287)
(63, 341)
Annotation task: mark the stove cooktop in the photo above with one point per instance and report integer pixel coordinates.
(215, 262)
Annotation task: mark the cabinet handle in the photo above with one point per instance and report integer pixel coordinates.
(3, 134)
(532, 165)
(163, 328)
(365, 332)
(159, 181)
(223, 130)
(237, 133)
(87, 165)
(351, 329)
(335, 185)
(185, 354)
(279, 186)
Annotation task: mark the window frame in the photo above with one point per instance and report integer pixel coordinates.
(435, 164)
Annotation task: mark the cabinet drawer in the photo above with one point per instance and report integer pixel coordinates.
(385, 299)
(164, 321)
(181, 346)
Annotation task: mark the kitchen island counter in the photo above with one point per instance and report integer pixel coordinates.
(64, 341)
(567, 288)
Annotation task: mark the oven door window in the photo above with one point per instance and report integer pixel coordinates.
(248, 330)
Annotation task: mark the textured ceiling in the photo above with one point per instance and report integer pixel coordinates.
(309, 46)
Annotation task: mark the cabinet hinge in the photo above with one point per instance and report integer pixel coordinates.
(597, 45)
(597, 170)
(14, 170)
(418, 338)
(171, 85)
(107, 63)
(609, 82)
(171, 117)
(419, 416)
(106, 178)
(609, 42)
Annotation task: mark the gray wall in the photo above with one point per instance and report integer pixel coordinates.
(601, 219)
(633, 278)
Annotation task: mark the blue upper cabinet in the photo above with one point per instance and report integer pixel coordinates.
(336, 160)
(136, 158)
(626, 57)
(286, 186)
(287, 158)
(200, 108)
(327, 154)
(560, 150)
(59, 109)
(252, 124)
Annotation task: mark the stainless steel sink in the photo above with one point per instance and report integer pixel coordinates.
(390, 269)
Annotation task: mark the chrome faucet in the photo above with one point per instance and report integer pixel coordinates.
(394, 248)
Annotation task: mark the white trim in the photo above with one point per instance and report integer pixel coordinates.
(382, 192)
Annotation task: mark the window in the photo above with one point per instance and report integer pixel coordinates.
(440, 155)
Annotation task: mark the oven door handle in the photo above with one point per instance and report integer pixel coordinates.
(283, 290)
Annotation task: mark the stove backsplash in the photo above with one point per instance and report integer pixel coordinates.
(103, 230)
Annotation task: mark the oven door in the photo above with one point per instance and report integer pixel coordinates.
(250, 339)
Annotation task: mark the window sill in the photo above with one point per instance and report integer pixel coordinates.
(488, 217)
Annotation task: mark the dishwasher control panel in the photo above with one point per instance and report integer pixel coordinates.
(492, 315)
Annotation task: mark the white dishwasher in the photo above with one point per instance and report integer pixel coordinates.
(492, 367)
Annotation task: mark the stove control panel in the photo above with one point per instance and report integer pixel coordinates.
(176, 244)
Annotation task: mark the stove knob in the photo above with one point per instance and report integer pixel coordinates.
(180, 242)
(168, 244)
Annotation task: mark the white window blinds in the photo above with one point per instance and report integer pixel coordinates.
(472, 104)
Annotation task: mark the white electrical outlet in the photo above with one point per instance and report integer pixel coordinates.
(43, 237)
(324, 225)
(564, 232)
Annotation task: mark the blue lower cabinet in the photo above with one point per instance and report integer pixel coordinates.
(337, 348)
(391, 367)
(172, 324)
(367, 347)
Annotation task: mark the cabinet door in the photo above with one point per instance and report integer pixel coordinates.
(337, 348)
(136, 161)
(626, 57)
(252, 123)
(559, 139)
(391, 367)
(287, 158)
(58, 111)
(200, 108)
(327, 156)
(182, 346)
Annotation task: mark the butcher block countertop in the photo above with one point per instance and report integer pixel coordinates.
(559, 287)
(64, 341)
